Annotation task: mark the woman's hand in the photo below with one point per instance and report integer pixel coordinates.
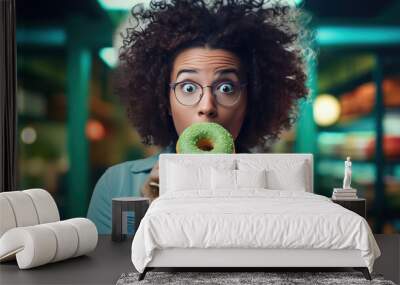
(150, 189)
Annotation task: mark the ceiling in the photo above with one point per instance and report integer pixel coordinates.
(349, 10)
(52, 12)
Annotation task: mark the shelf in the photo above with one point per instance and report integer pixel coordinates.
(360, 124)
(338, 158)
(393, 110)
(364, 120)
(390, 68)
(349, 85)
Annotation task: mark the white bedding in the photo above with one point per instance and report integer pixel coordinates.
(250, 218)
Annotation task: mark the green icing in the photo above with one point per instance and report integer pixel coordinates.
(223, 140)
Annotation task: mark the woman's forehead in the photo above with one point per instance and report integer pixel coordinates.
(202, 60)
(209, 71)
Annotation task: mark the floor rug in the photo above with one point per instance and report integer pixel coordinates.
(230, 278)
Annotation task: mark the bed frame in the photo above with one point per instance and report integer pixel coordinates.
(246, 258)
(242, 259)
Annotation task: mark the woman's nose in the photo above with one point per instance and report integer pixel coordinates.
(207, 105)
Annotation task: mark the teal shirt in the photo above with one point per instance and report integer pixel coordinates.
(121, 180)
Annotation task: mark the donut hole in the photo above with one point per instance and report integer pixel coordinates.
(205, 145)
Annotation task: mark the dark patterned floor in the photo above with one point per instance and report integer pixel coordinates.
(231, 278)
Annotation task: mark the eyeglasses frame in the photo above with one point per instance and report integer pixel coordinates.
(173, 85)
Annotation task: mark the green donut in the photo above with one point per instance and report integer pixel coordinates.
(205, 138)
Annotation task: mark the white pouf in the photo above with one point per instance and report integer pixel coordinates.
(45, 205)
(7, 218)
(40, 244)
(33, 246)
(23, 208)
(67, 239)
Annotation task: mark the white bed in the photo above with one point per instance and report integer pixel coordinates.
(201, 219)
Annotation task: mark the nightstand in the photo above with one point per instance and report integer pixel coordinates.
(358, 205)
(127, 212)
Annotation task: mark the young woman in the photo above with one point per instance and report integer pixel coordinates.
(178, 62)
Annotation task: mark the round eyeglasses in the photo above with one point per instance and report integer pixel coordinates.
(189, 93)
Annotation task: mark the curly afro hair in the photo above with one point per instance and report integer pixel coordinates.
(270, 39)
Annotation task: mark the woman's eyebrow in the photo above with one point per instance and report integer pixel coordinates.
(226, 71)
(186, 70)
(219, 72)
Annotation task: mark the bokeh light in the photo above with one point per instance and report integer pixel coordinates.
(326, 110)
(28, 135)
(95, 130)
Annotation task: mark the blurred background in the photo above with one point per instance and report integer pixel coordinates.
(71, 126)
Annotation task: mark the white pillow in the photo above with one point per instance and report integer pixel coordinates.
(182, 178)
(236, 179)
(223, 179)
(284, 174)
(293, 181)
(184, 175)
(251, 178)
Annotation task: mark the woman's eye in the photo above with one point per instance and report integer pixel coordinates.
(188, 87)
(226, 88)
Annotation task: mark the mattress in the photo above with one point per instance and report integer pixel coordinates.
(251, 219)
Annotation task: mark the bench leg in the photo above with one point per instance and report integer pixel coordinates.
(364, 271)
